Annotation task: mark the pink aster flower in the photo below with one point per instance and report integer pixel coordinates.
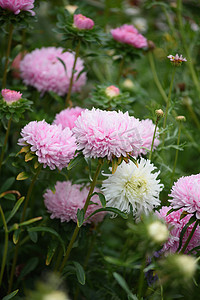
(128, 34)
(186, 193)
(53, 146)
(42, 69)
(18, 5)
(67, 198)
(112, 91)
(176, 60)
(10, 96)
(82, 22)
(67, 117)
(102, 133)
(175, 226)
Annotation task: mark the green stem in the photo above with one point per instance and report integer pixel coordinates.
(189, 237)
(154, 135)
(76, 231)
(169, 21)
(155, 77)
(185, 45)
(168, 104)
(7, 56)
(5, 246)
(21, 220)
(176, 155)
(141, 279)
(5, 142)
(193, 115)
(121, 66)
(68, 98)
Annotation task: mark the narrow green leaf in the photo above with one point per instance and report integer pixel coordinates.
(16, 236)
(80, 273)
(8, 197)
(109, 209)
(7, 184)
(15, 209)
(63, 63)
(22, 176)
(75, 161)
(80, 73)
(51, 251)
(183, 231)
(80, 217)
(29, 267)
(29, 156)
(11, 295)
(33, 236)
(124, 285)
(101, 198)
(30, 221)
(133, 160)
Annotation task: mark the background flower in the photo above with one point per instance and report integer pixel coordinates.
(10, 96)
(82, 22)
(67, 117)
(42, 69)
(18, 5)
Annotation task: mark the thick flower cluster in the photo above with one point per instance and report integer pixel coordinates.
(18, 5)
(10, 96)
(128, 34)
(132, 185)
(175, 226)
(102, 133)
(67, 198)
(53, 146)
(186, 193)
(43, 70)
(67, 117)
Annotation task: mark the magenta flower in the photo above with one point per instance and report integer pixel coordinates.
(42, 69)
(67, 198)
(186, 193)
(10, 96)
(53, 146)
(128, 34)
(18, 5)
(176, 60)
(67, 117)
(112, 91)
(175, 226)
(82, 22)
(106, 134)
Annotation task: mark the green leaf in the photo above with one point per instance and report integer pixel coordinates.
(7, 184)
(80, 217)
(16, 236)
(11, 295)
(109, 209)
(29, 156)
(75, 161)
(80, 273)
(51, 251)
(133, 160)
(124, 285)
(22, 176)
(101, 198)
(183, 231)
(28, 222)
(49, 230)
(29, 267)
(33, 236)
(63, 63)
(9, 197)
(15, 209)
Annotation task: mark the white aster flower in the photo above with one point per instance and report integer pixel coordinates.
(133, 185)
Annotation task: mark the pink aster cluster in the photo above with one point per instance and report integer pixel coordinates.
(128, 34)
(18, 5)
(67, 117)
(102, 133)
(175, 226)
(43, 70)
(10, 96)
(83, 23)
(53, 146)
(64, 202)
(186, 193)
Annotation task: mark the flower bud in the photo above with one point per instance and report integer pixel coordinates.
(181, 118)
(71, 8)
(112, 91)
(128, 84)
(159, 113)
(158, 232)
(10, 96)
(82, 22)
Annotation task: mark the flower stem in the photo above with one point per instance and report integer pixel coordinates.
(5, 246)
(121, 66)
(21, 220)
(168, 104)
(189, 237)
(141, 279)
(155, 77)
(76, 231)
(7, 56)
(154, 135)
(176, 155)
(5, 142)
(68, 98)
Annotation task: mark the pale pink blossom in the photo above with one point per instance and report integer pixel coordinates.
(43, 70)
(64, 202)
(175, 226)
(128, 34)
(186, 193)
(82, 22)
(53, 146)
(112, 91)
(177, 60)
(107, 134)
(67, 117)
(18, 5)
(146, 129)
(10, 96)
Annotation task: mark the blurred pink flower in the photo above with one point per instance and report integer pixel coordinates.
(177, 60)
(10, 96)
(186, 193)
(42, 69)
(53, 146)
(16, 63)
(107, 134)
(128, 34)
(64, 202)
(112, 91)
(67, 117)
(82, 22)
(175, 226)
(18, 5)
